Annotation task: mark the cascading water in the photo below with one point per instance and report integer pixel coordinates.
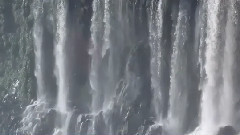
(153, 67)
(209, 107)
(106, 20)
(96, 52)
(155, 30)
(60, 56)
(179, 74)
(37, 35)
(227, 99)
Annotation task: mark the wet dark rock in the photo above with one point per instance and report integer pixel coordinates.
(149, 122)
(46, 124)
(227, 130)
(86, 117)
(141, 131)
(99, 124)
(85, 120)
(51, 115)
(155, 130)
(10, 110)
(84, 127)
(73, 122)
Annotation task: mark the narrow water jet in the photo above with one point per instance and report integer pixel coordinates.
(155, 39)
(179, 74)
(38, 37)
(60, 68)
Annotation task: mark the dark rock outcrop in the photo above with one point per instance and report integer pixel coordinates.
(73, 122)
(46, 124)
(10, 113)
(84, 123)
(227, 130)
(99, 124)
(155, 130)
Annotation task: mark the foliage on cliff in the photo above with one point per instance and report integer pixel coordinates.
(17, 81)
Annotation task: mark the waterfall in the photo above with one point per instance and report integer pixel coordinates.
(138, 67)
(99, 73)
(61, 57)
(60, 69)
(202, 17)
(106, 21)
(155, 39)
(37, 35)
(227, 100)
(209, 107)
(96, 53)
(179, 74)
(101, 76)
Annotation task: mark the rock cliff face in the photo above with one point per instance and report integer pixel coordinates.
(17, 81)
